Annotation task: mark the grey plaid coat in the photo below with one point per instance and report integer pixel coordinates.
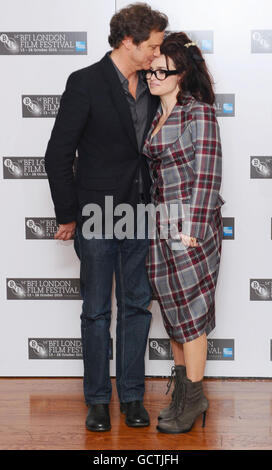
(185, 161)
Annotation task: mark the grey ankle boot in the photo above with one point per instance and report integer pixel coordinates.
(189, 403)
(177, 373)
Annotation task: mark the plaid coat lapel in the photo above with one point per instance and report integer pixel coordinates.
(172, 129)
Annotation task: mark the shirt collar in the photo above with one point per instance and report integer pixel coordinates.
(142, 85)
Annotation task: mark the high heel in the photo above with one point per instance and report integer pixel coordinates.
(204, 419)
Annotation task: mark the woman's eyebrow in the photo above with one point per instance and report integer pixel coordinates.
(159, 68)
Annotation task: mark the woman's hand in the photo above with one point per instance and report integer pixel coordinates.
(188, 241)
(65, 231)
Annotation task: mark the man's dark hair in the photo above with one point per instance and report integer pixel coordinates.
(137, 21)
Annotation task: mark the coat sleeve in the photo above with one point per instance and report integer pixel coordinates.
(61, 148)
(207, 170)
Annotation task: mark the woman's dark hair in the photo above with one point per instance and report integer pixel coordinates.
(197, 79)
(137, 21)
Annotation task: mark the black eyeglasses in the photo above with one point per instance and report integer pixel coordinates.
(160, 74)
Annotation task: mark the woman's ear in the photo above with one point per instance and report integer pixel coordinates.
(181, 75)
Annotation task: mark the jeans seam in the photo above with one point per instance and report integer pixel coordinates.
(122, 328)
(84, 353)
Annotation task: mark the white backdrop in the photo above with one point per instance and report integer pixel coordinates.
(240, 346)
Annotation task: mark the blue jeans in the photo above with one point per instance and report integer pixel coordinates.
(100, 259)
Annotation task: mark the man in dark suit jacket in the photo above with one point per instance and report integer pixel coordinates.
(104, 114)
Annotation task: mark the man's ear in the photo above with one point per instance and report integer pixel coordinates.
(127, 42)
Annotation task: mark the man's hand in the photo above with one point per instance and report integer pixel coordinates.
(65, 231)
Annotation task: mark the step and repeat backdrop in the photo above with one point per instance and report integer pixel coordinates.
(41, 43)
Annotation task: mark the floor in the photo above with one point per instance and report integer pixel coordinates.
(49, 413)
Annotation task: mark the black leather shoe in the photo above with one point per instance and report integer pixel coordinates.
(136, 414)
(98, 418)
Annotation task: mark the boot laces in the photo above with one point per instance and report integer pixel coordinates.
(180, 397)
(170, 380)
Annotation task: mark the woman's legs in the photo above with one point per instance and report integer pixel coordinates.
(193, 355)
(178, 353)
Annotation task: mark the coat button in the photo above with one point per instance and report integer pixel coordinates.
(155, 174)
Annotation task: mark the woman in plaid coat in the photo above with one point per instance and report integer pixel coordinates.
(184, 155)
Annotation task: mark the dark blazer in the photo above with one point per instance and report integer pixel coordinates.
(94, 118)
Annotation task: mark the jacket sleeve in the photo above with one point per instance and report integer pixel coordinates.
(207, 170)
(61, 148)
